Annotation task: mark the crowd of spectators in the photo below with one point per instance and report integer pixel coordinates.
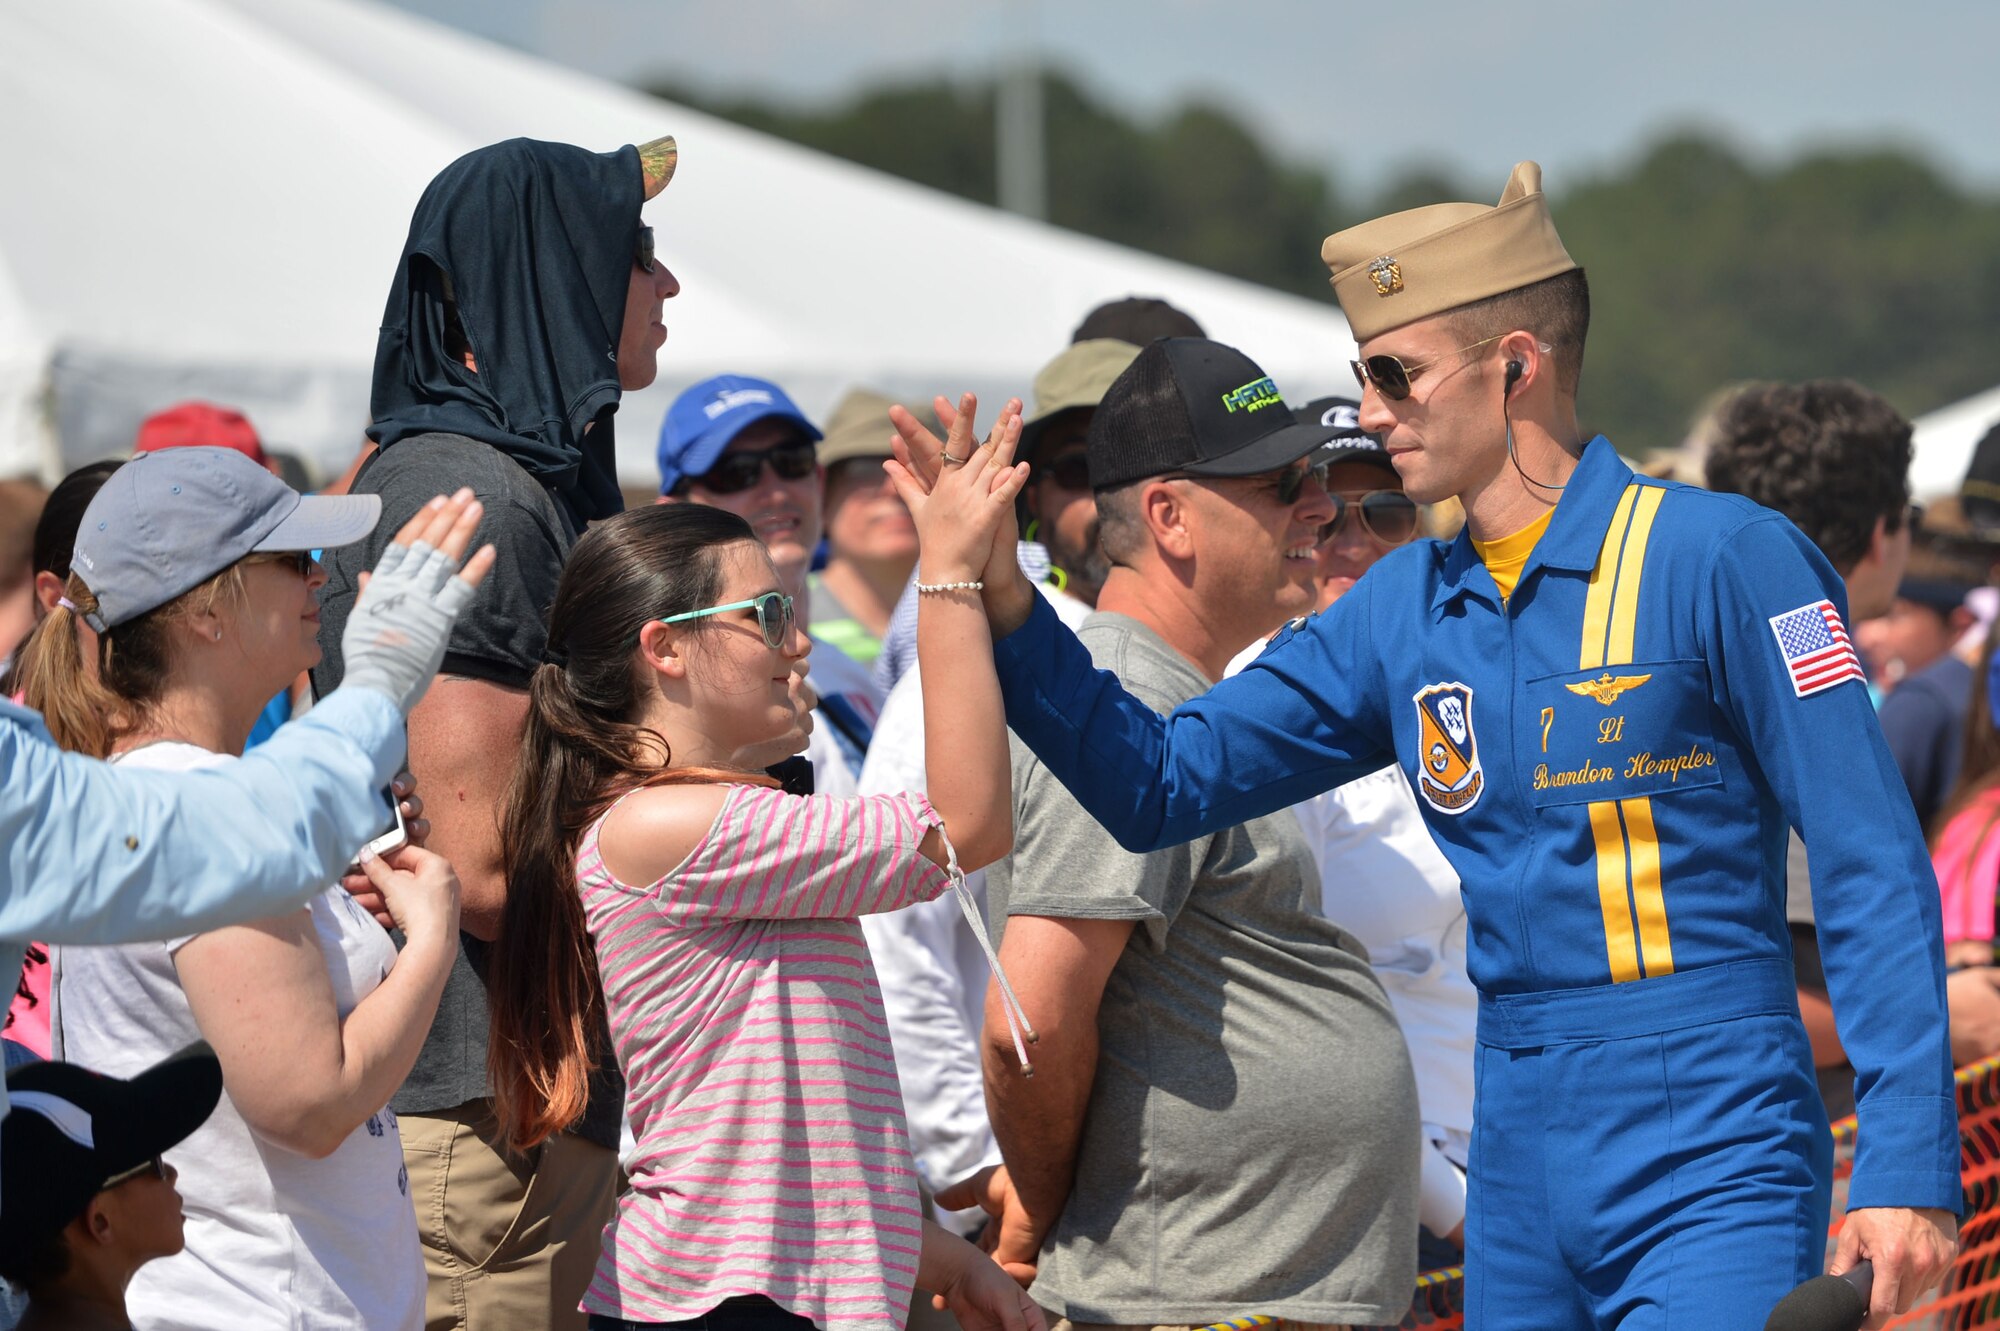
(633, 1017)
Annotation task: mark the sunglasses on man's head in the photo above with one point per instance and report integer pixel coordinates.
(1390, 516)
(642, 250)
(734, 473)
(774, 616)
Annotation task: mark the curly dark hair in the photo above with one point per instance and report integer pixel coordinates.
(1827, 453)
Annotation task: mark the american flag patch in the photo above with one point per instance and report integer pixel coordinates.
(1815, 647)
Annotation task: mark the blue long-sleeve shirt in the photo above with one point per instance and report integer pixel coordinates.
(100, 854)
(1609, 759)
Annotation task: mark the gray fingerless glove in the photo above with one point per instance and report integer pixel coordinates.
(396, 633)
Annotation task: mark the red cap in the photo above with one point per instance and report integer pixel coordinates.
(200, 424)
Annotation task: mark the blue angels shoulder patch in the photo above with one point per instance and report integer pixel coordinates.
(1449, 776)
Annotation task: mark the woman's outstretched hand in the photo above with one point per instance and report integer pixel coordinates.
(965, 512)
(923, 463)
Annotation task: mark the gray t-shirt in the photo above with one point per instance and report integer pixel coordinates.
(498, 639)
(1252, 1139)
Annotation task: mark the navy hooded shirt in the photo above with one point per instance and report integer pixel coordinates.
(531, 244)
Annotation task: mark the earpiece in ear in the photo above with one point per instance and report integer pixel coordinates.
(1514, 369)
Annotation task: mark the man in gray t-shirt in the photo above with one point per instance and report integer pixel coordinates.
(1223, 1119)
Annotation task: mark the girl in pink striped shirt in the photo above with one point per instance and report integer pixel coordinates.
(658, 880)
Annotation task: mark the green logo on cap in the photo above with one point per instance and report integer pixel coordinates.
(1252, 396)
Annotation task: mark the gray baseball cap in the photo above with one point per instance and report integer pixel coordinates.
(169, 521)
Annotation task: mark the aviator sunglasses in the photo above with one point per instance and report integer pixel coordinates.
(1390, 516)
(1392, 378)
(734, 473)
(774, 616)
(642, 250)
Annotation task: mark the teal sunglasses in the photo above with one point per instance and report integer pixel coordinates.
(774, 616)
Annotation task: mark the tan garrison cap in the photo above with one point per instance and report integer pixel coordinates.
(1410, 265)
(860, 426)
(1078, 377)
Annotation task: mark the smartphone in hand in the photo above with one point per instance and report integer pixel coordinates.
(396, 835)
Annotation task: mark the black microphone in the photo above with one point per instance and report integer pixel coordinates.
(1826, 1303)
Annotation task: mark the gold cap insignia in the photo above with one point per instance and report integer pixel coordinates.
(658, 160)
(1608, 688)
(1388, 275)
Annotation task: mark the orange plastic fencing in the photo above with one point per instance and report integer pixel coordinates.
(1969, 1297)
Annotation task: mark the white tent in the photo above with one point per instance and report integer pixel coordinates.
(208, 197)
(1944, 441)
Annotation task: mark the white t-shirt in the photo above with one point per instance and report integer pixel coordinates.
(274, 1239)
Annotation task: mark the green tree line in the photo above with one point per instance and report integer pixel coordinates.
(1706, 268)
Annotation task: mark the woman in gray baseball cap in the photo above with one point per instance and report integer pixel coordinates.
(196, 570)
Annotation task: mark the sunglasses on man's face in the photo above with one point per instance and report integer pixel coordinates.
(1285, 485)
(774, 616)
(734, 473)
(642, 250)
(1390, 516)
(1392, 378)
(1070, 471)
(155, 1167)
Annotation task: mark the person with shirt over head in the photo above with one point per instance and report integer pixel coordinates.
(194, 568)
(660, 879)
(1223, 1120)
(527, 299)
(739, 443)
(87, 1198)
(1612, 694)
(1382, 878)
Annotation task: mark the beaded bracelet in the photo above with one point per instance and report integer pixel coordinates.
(975, 586)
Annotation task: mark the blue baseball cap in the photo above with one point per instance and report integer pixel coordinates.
(707, 416)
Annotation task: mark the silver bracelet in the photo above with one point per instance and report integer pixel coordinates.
(974, 586)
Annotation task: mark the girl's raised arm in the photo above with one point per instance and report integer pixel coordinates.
(967, 514)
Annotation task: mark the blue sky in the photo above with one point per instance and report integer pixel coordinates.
(1365, 90)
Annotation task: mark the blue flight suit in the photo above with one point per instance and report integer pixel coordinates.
(1610, 760)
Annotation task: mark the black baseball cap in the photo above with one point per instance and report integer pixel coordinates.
(1338, 419)
(1193, 405)
(1137, 320)
(69, 1130)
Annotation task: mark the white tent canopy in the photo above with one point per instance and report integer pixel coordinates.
(208, 197)
(1944, 440)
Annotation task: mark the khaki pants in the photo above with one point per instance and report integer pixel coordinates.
(1065, 1324)
(508, 1242)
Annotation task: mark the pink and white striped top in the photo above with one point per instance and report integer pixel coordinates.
(772, 1156)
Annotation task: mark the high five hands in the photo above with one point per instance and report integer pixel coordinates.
(953, 471)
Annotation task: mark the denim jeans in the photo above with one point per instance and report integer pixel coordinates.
(747, 1312)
